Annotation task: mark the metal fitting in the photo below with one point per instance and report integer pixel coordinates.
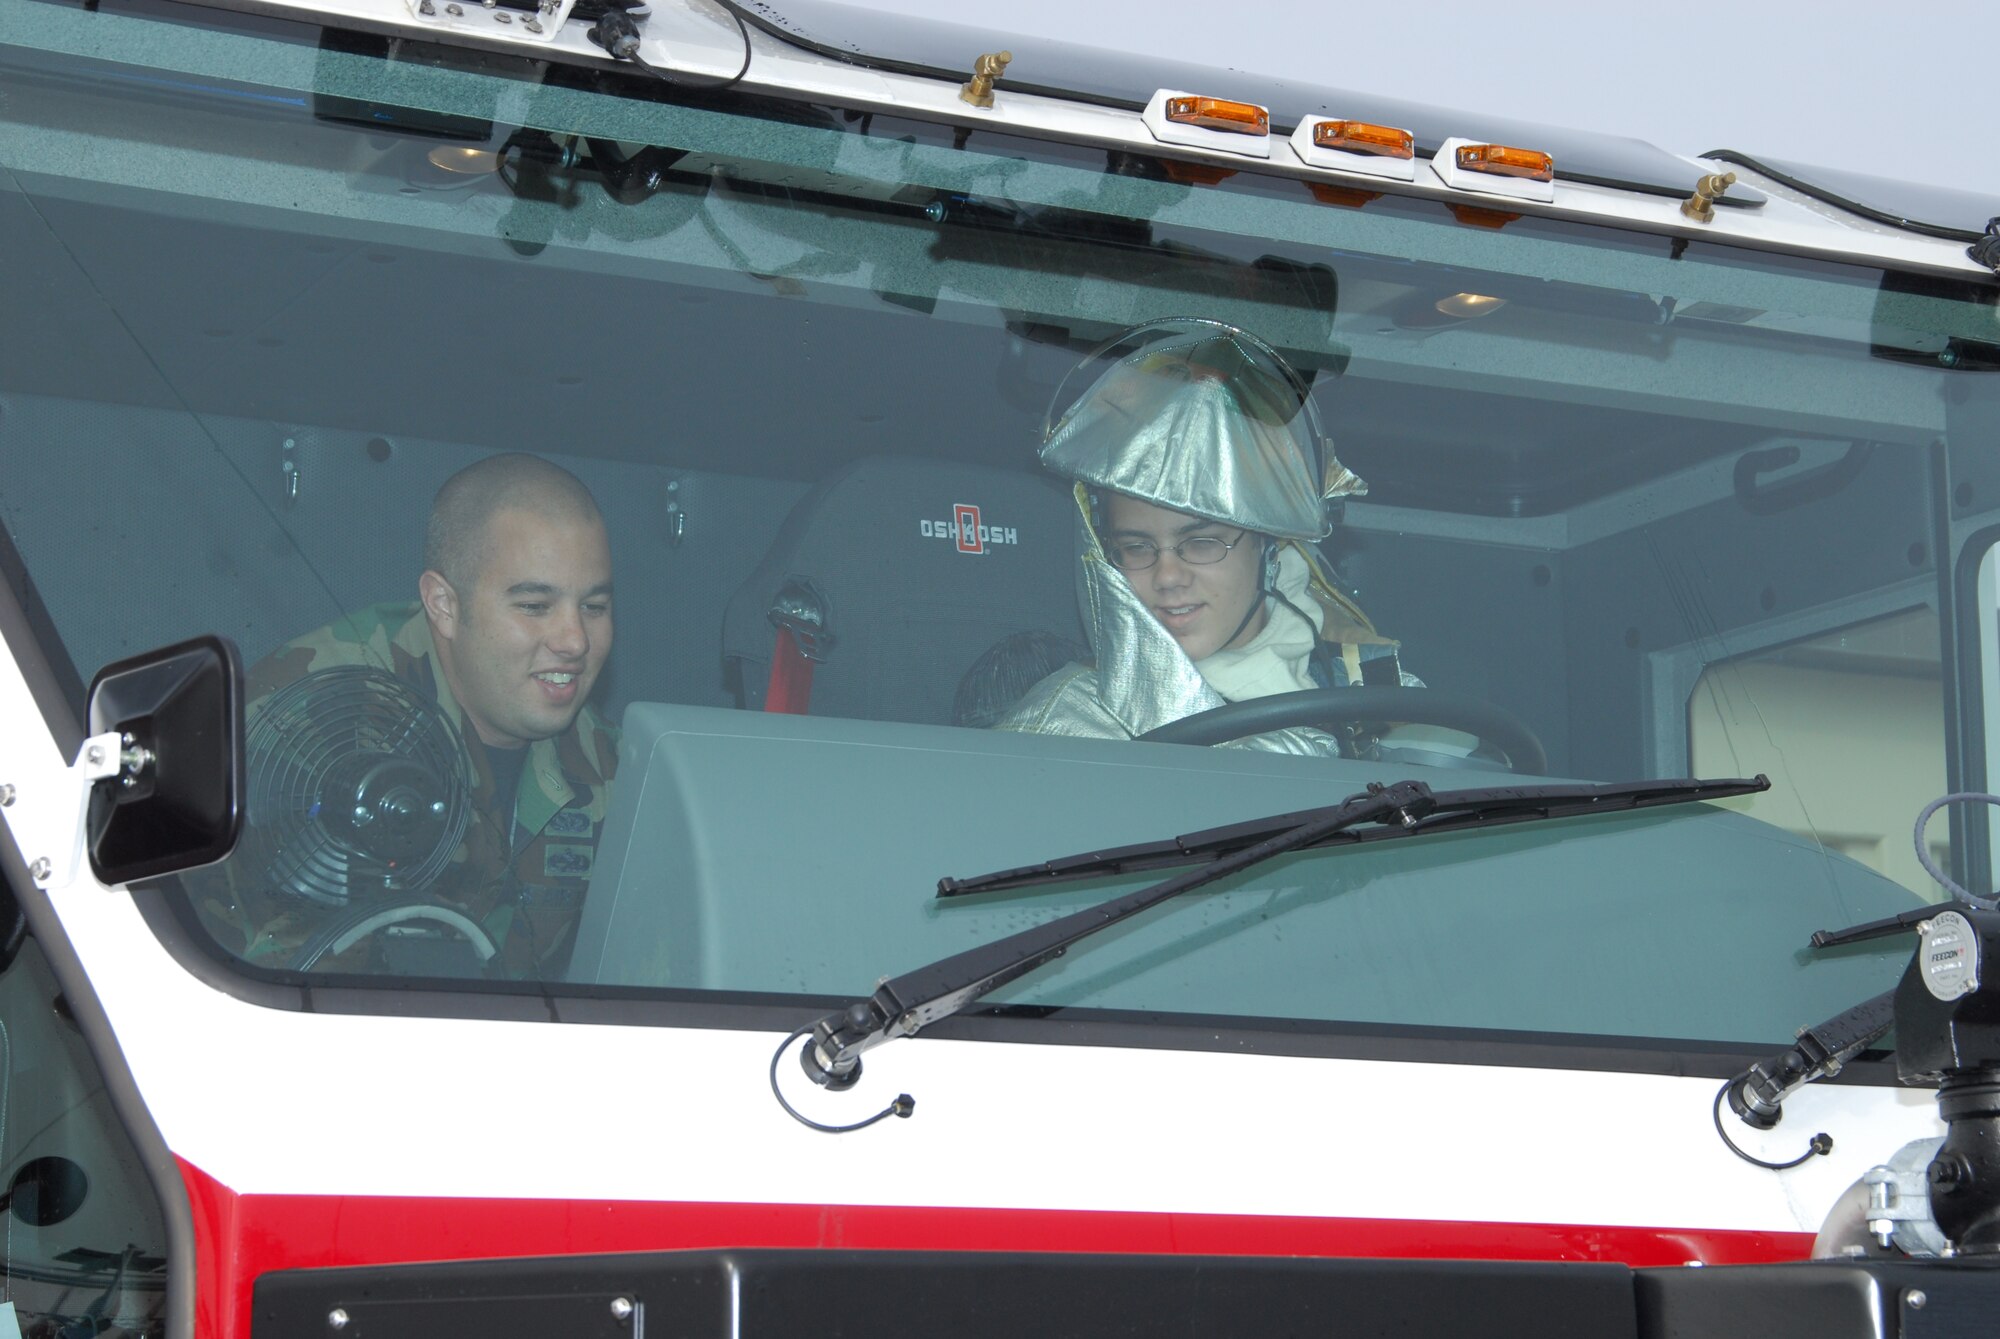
(41, 869)
(1701, 205)
(621, 1308)
(336, 1319)
(6, 795)
(978, 90)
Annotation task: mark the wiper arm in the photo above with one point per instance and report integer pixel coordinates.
(904, 1005)
(1452, 811)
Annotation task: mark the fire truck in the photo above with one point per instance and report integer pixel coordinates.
(1621, 971)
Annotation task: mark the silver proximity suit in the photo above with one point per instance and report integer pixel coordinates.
(1206, 420)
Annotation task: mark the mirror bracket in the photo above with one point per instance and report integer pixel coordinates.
(96, 761)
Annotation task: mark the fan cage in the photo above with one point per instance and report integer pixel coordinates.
(306, 750)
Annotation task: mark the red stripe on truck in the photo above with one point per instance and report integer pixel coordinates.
(238, 1237)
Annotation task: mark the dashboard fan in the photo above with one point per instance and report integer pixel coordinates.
(357, 788)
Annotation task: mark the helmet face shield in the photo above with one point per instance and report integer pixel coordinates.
(1201, 418)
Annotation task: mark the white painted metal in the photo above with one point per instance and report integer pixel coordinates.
(272, 1101)
(492, 21)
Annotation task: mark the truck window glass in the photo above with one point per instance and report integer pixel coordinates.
(1847, 726)
(85, 1243)
(1652, 507)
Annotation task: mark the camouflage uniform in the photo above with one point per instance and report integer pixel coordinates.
(526, 893)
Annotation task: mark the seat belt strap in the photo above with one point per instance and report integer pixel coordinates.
(791, 686)
(800, 614)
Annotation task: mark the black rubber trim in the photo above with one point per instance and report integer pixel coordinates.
(631, 1006)
(1826, 196)
(162, 1172)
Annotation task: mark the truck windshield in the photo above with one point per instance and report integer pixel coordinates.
(420, 373)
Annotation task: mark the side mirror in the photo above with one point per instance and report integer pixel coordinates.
(175, 801)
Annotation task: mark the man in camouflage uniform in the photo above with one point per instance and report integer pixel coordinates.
(511, 629)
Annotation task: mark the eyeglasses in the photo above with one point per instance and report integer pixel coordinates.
(1136, 555)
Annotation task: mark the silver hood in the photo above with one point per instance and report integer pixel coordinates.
(1139, 678)
(1205, 419)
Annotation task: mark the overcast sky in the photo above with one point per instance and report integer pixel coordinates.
(1896, 90)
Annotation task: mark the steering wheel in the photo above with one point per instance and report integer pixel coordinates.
(1321, 707)
(344, 932)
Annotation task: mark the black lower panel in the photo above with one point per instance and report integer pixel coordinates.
(1824, 1299)
(963, 1295)
(974, 1295)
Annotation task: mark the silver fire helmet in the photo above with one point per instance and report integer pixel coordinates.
(1202, 418)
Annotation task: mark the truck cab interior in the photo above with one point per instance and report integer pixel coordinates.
(1681, 509)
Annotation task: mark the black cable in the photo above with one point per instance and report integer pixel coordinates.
(902, 1106)
(1819, 1145)
(1950, 885)
(1839, 201)
(618, 33)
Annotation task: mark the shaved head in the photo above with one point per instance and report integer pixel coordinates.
(455, 541)
(517, 589)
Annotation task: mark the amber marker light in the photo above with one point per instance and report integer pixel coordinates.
(1364, 137)
(1238, 118)
(1502, 161)
(1218, 125)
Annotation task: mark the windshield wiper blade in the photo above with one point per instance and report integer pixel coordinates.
(1453, 811)
(904, 1005)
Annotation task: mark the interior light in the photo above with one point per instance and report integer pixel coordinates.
(462, 159)
(1504, 161)
(1364, 137)
(1467, 306)
(1239, 118)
